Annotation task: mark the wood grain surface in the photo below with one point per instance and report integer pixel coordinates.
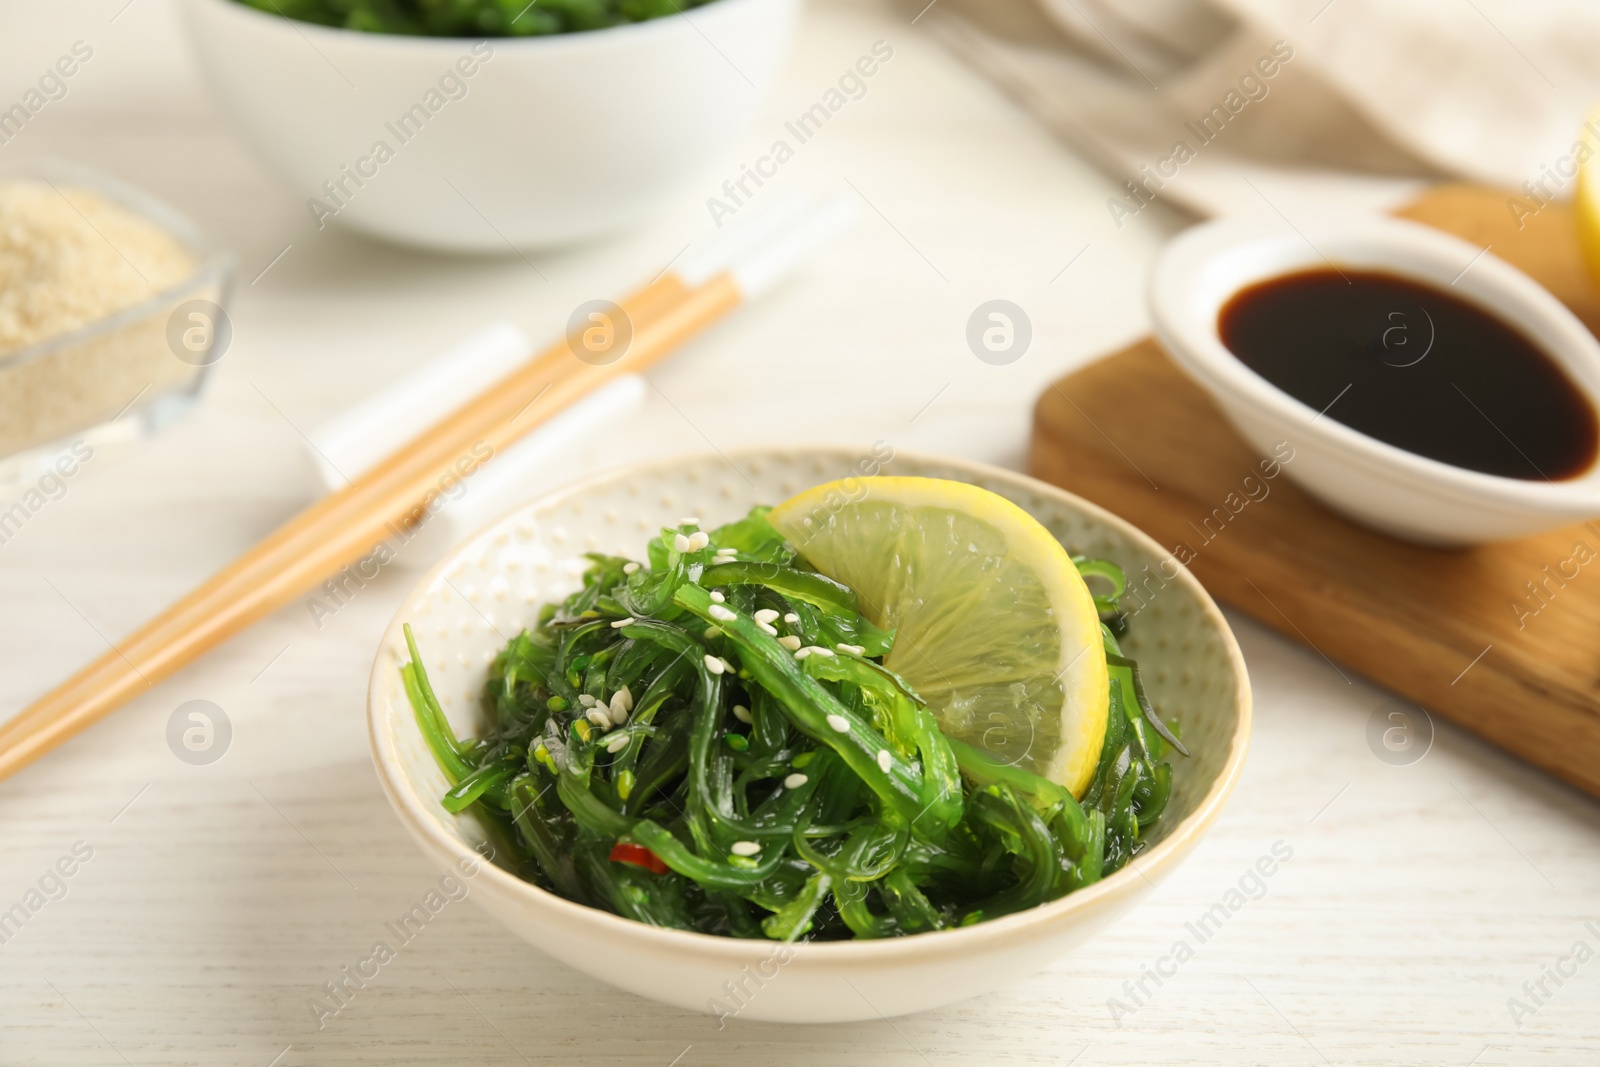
(1500, 638)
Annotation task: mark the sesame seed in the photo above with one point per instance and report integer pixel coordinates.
(839, 723)
(791, 618)
(714, 665)
(770, 631)
(586, 700)
(791, 642)
(629, 568)
(854, 650)
(802, 653)
(883, 760)
(619, 708)
(818, 650)
(698, 540)
(722, 614)
(620, 623)
(598, 717)
(744, 848)
(625, 695)
(730, 668)
(718, 598)
(767, 615)
(692, 520)
(618, 744)
(680, 543)
(795, 781)
(742, 713)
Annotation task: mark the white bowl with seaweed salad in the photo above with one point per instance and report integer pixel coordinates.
(875, 751)
(462, 130)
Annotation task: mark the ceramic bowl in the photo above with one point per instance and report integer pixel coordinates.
(488, 144)
(1398, 492)
(493, 585)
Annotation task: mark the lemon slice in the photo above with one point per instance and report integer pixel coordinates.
(995, 627)
(1587, 202)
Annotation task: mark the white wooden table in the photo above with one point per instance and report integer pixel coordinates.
(218, 899)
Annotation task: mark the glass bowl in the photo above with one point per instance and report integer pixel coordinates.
(127, 373)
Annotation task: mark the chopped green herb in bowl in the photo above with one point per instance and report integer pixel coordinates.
(473, 18)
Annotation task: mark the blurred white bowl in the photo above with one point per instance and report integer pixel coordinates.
(493, 585)
(489, 144)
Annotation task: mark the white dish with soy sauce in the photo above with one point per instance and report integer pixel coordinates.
(1428, 388)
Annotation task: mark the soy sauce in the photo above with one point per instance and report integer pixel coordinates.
(1416, 367)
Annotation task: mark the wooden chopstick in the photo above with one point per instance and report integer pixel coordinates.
(348, 523)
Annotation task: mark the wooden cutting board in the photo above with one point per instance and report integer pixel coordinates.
(1502, 639)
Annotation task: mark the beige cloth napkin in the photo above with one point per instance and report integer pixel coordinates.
(1230, 106)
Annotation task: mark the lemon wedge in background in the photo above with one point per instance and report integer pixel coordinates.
(994, 626)
(1586, 203)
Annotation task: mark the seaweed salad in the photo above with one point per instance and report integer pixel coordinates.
(713, 739)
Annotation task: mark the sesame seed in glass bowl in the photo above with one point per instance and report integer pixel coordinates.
(111, 313)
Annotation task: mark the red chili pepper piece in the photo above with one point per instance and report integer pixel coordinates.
(639, 856)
